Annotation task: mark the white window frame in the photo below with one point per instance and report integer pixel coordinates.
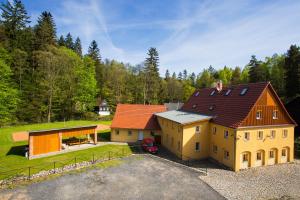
(285, 133)
(273, 134)
(275, 114)
(129, 133)
(259, 114)
(246, 136)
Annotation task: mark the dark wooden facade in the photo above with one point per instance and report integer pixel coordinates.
(267, 104)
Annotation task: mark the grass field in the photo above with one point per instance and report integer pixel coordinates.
(12, 153)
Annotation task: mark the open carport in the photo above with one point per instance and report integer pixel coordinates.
(48, 142)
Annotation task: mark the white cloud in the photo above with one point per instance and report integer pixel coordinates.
(205, 33)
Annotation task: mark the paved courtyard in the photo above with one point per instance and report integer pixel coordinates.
(145, 178)
(270, 182)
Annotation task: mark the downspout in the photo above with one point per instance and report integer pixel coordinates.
(234, 149)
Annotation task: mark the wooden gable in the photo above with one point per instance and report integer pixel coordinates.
(267, 103)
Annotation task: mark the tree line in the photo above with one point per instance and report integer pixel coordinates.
(46, 78)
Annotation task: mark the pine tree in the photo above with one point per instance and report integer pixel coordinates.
(167, 75)
(77, 47)
(254, 64)
(174, 75)
(14, 19)
(69, 41)
(180, 76)
(94, 51)
(45, 31)
(193, 79)
(152, 76)
(185, 75)
(292, 75)
(61, 41)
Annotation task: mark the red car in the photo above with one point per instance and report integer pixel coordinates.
(149, 145)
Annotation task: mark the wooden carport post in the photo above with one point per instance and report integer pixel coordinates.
(95, 136)
(30, 153)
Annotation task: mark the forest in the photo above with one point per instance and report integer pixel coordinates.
(45, 77)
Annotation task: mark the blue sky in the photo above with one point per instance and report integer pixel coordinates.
(188, 34)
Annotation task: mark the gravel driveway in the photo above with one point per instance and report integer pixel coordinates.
(145, 178)
(269, 182)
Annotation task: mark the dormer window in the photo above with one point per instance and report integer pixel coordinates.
(213, 92)
(258, 114)
(194, 106)
(228, 92)
(244, 91)
(275, 114)
(197, 93)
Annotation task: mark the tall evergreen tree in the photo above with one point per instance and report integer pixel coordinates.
(69, 41)
(94, 51)
(152, 81)
(185, 74)
(180, 76)
(9, 98)
(45, 31)
(254, 69)
(193, 79)
(61, 41)
(14, 19)
(174, 75)
(77, 47)
(167, 75)
(292, 75)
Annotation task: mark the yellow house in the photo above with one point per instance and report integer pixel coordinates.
(240, 127)
(134, 122)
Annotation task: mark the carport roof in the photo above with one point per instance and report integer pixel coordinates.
(183, 117)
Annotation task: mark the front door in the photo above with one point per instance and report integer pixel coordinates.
(259, 157)
(141, 135)
(244, 160)
(283, 155)
(271, 160)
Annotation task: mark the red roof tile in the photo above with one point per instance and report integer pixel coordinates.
(137, 116)
(228, 110)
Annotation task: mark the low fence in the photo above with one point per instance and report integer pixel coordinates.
(59, 166)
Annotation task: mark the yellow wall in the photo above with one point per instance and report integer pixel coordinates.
(223, 144)
(124, 137)
(266, 144)
(190, 137)
(171, 131)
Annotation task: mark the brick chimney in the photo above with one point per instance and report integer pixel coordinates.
(219, 86)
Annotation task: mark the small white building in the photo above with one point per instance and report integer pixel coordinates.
(104, 109)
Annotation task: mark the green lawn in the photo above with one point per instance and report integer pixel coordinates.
(12, 157)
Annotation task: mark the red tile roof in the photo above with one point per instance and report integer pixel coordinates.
(228, 110)
(137, 116)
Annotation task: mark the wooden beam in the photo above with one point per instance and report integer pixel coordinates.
(95, 137)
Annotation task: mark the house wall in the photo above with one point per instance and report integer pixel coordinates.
(171, 131)
(190, 137)
(266, 144)
(223, 144)
(123, 135)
